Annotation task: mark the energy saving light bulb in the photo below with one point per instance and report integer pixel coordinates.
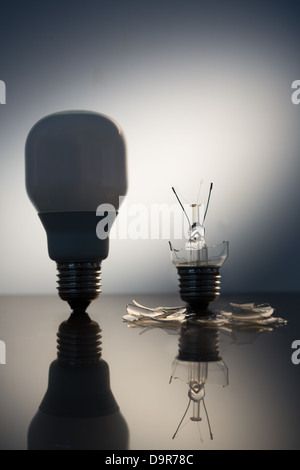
(198, 264)
(74, 162)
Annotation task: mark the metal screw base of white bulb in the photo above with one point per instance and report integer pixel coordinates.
(79, 339)
(79, 283)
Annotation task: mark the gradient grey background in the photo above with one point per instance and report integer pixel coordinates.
(202, 90)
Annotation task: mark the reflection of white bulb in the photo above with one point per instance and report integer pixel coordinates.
(74, 162)
(79, 410)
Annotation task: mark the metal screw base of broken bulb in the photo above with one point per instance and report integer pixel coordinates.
(198, 287)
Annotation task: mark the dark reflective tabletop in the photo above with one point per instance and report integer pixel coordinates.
(251, 386)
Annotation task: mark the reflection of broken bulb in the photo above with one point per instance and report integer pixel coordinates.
(197, 364)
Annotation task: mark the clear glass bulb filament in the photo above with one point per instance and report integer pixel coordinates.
(196, 252)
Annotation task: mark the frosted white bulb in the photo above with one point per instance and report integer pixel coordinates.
(75, 161)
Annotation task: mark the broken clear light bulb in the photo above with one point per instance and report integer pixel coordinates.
(198, 264)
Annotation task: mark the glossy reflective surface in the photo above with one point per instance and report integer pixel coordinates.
(253, 406)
